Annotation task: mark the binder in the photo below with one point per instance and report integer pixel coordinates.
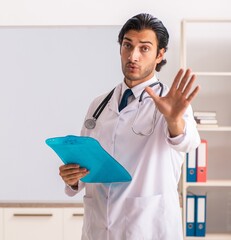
(190, 215)
(88, 153)
(191, 175)
(200, 216)
(202, 159)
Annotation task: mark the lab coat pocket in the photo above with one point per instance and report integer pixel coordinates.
(143, 218)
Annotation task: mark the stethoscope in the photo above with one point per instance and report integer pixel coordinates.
(91, 122)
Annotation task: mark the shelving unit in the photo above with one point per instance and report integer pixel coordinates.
(210, 133)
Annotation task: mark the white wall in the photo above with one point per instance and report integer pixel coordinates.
(49, 76)
(104, 12)
(44, 13)
(108, 12)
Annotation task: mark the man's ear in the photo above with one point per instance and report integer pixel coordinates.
(160, 55)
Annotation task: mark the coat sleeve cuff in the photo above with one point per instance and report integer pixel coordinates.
(175, 140)
(71, 191)
(189, 139)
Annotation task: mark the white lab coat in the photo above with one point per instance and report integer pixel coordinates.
(147, 208)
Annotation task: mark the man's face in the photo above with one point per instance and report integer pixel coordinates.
(139, 56)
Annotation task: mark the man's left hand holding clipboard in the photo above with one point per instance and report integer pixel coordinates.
(72, 173)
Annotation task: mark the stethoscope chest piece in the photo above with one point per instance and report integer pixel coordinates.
(90, 123)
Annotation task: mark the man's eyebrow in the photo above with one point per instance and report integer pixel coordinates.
(130, 40)
(146, 42)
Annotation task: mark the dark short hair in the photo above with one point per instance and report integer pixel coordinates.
(147, 21)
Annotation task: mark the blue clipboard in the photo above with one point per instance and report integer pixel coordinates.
(88, 153)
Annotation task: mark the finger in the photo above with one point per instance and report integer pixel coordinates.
(193, 94)
(74, 178)
(69, 171)
(151, 93)
(189, 85)
(177, 80)
(184, 80)
(73, 171)
(68, 166)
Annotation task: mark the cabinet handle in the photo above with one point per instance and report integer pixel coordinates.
(33, 214)
(77, 214)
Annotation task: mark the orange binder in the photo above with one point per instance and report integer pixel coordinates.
(202, 160)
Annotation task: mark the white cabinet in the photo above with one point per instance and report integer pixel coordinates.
(73, 222)
(33, 223)
(206, 48)
(1, 224)
(41, 223)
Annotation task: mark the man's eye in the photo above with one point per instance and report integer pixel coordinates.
(126, 45)
(145, 49)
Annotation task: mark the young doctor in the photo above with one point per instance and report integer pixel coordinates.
(147, 136)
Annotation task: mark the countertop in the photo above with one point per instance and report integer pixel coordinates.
(30, 204)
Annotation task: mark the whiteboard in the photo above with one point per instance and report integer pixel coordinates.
(49, 76)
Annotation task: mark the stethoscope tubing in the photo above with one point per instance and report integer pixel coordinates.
(102, 105)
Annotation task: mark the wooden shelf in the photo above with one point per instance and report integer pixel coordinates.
(210, 236)
(212, 128)
(206, 20)
(209, 183)
(212, 73)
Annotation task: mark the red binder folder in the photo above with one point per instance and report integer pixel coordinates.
(202, 160)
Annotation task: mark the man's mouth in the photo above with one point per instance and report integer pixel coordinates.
(132, 66)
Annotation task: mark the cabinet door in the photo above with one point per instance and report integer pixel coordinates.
(73, 222)
(33, 223)
(1, 224)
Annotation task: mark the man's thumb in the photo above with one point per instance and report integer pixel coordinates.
(151, 93)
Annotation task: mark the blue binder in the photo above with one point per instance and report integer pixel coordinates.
(191, 174)
(190, 215)
(200, 216)
(88, 153)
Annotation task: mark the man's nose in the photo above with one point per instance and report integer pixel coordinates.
(134, 55)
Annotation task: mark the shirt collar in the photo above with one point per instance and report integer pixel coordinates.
(138, 89)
